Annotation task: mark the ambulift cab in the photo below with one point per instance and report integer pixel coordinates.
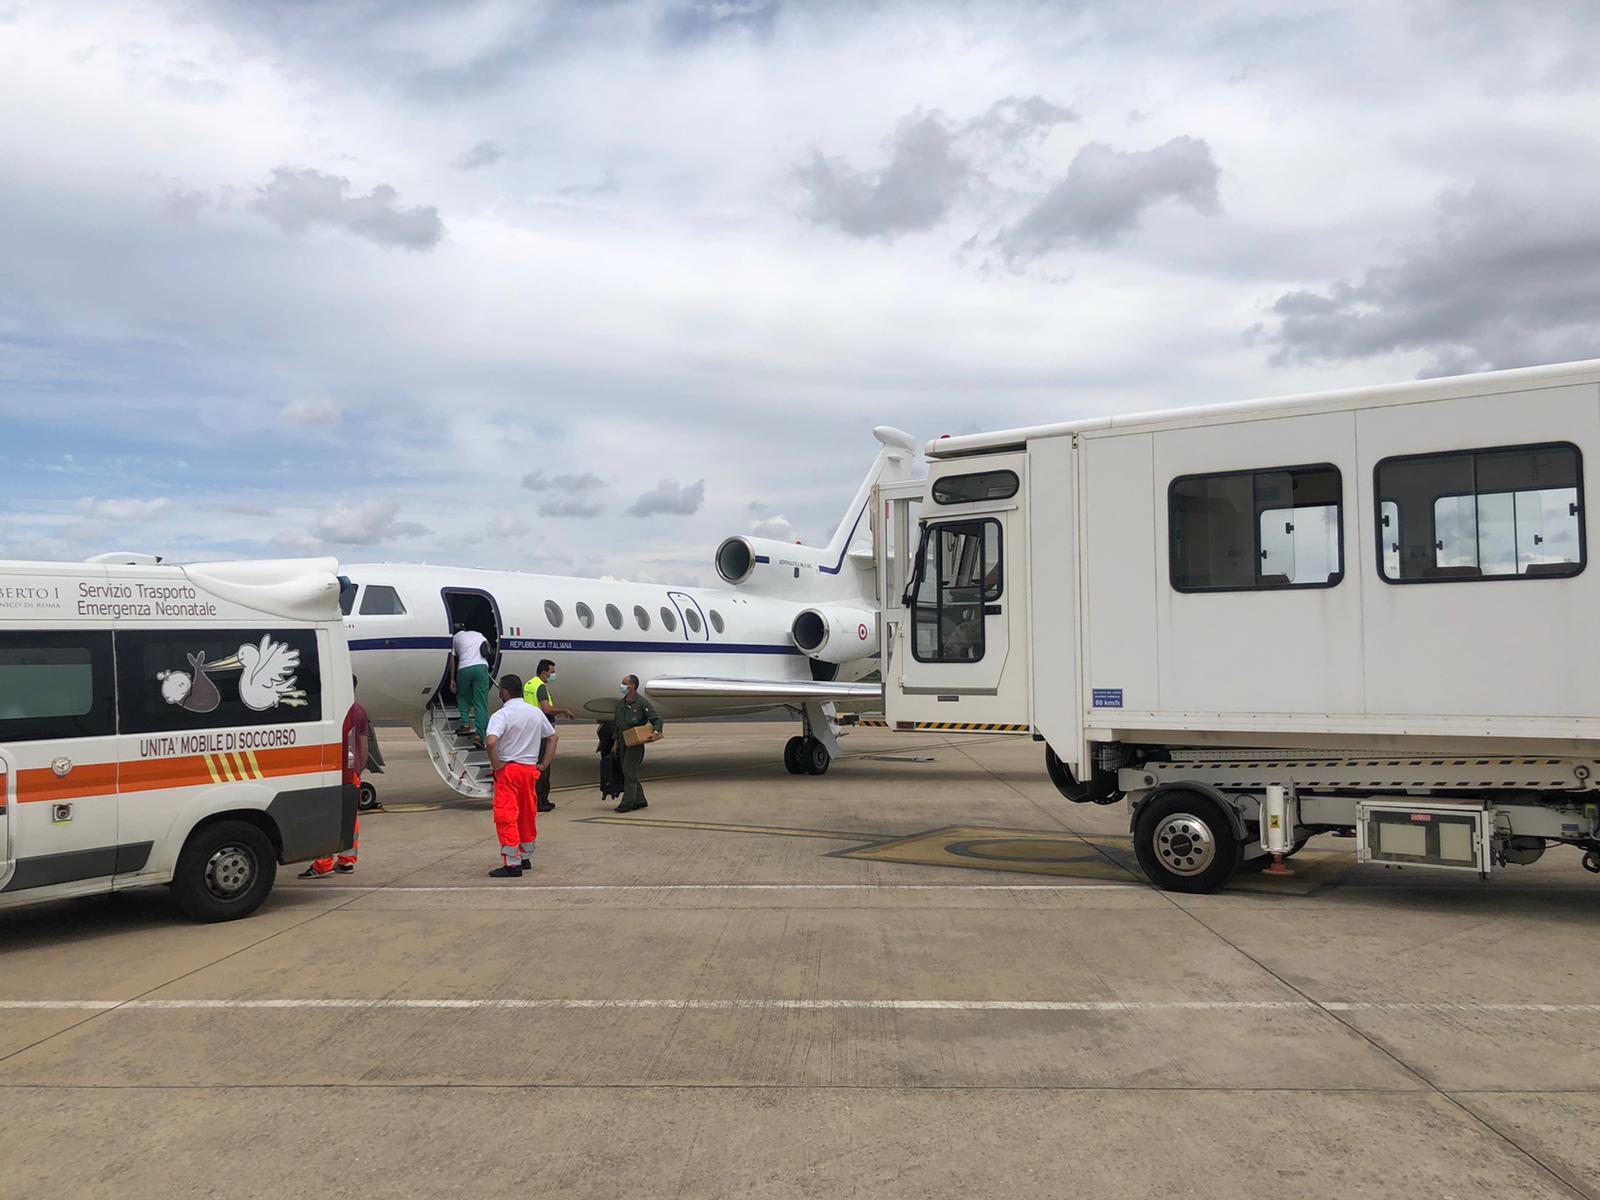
(176, 725)
(1363, 611)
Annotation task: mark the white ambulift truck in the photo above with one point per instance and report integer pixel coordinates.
(1360, 611)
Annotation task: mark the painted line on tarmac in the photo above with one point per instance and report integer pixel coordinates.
(742, 887)
(799, 1005)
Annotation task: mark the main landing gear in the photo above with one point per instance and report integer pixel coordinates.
(813, 752)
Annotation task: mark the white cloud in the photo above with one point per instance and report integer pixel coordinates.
(776, 527)
(670, 497)
(315, 411)
(299, 197)
(369, 522)
(124, 510)
(504, 525)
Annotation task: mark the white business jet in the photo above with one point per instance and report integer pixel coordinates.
(795, 627)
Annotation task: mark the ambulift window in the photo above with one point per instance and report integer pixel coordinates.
(1513, 512)
(55, 685)
(984, 485)
(381, 600)
(1256, 530)
(960, 571)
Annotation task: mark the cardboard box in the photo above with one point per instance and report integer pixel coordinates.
(637, 735)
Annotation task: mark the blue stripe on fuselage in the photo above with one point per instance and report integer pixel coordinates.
(576, 645)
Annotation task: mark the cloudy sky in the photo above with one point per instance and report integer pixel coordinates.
(584, 287)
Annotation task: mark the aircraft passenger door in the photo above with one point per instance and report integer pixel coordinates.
(690, 617)
(479, 611)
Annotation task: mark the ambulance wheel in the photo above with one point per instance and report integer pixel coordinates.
(369, 795)
(817, 758)
(794, 755)
(224, 872)
(1185, 843)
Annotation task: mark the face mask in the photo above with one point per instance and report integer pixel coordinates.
(622, 690)
(551, 677)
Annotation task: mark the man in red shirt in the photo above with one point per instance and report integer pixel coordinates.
(357, 729)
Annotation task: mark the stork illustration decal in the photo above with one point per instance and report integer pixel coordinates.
(266, 679)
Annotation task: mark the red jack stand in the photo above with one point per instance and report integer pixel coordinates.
(1277, 867)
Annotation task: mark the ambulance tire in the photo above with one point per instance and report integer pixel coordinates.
(793, 751)
(1185, 843)
(817, 758)
(225, 870)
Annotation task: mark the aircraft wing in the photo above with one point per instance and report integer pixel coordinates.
(779, 691)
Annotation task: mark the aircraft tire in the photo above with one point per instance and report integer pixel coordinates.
(817, 758)
(793, 755)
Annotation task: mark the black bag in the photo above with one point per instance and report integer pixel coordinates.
(610, 777)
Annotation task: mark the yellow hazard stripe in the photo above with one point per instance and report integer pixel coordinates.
(254, 765)
(949, 726)
(212, 767)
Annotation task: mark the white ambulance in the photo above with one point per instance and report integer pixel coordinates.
(177, 725)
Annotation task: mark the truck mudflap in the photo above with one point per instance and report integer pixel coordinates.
(315, 822)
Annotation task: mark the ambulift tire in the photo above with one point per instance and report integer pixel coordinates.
(794, 755)
(1185, 843)
(817, 758)
(369, 795)
(224, 872)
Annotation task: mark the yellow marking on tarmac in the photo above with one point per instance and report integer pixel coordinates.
(835, 835)
(408, 808)
(1049, 852)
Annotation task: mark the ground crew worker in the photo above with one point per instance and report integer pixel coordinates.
(521, 743)
(537, 693)
(357, 730)
(633, 710)
(469, 677)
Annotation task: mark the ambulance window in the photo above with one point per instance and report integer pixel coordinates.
(692, 620)
(381, 600)
(553, 614)
(966, 489)
(1513, 512)
(1255, 530)
(55, 685)
(961, 569)
(585, 615)
(716, 621)
(614, 616)
(174, 681)
(667, 619)
(642, 617)
(347, 595)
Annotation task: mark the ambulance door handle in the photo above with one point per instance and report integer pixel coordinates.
(991, 610)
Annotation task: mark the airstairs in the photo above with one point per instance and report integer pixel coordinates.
(457, 759)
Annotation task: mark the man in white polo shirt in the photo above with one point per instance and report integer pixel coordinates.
(521, 742)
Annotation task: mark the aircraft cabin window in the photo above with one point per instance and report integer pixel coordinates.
(553, 614)
(1241, 531)
(692, 620)
(381, 600)
(347, 595)
(717, 622)
(585, 614)
(1513, 512)
(668, 619)
(983, 485)
(55, 685)
(959, 572)
(614, 616)
(642, 617)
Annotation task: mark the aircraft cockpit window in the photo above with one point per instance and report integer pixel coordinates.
(716, 621)
(347, 595)
(642, 617)
(667, 619)
(692, 619)
(553, 614)
(381, 600)
(614, 616)
(585, 615)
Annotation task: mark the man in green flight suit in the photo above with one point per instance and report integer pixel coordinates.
(537, 693)
(632, 711)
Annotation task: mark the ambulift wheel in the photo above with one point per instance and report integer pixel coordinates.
(817, 758)
(1185, 844)
(794, 755)
(369, 795)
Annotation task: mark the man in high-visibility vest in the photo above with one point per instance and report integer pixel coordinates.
(537, 693)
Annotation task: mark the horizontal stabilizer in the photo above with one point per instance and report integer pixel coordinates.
(779, 691)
